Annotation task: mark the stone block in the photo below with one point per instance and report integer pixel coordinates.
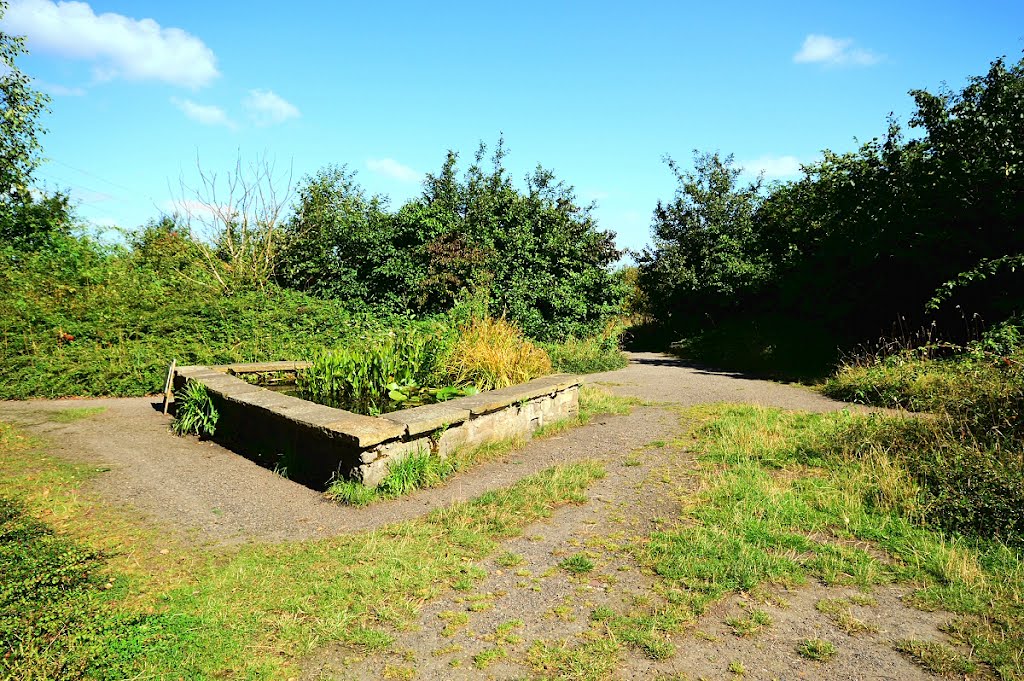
(430, 417)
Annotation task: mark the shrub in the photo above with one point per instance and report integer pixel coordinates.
(981, 399)
(492, 353)
(81, 318)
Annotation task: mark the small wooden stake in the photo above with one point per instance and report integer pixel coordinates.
(169, 384)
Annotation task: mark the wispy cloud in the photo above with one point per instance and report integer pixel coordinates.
(389, 167)
(773, 167)
(267, 108)
(119, 46)
(823, 49)
(207, 114)
(58, 90)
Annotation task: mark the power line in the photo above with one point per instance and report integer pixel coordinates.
(94, 176)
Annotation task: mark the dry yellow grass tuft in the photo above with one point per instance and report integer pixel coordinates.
(492, 353)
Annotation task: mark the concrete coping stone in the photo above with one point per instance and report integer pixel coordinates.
(493, 400)
(265, 367)
(429, 417)
(363, 431)
(195, 371)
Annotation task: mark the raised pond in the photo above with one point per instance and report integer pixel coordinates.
(314, 444)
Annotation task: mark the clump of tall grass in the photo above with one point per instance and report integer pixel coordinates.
(967, 458)
(492, 353)
(978, 391)
(590, 355)
(194, 411)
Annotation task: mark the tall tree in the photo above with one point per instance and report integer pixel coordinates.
(705, 253)
(25, 218)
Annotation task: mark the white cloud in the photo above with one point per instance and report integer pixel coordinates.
(823, 49)
(772, 166)
(267, 108)
(207, 114)
(389, 167)
(58, 90)
(121, 47)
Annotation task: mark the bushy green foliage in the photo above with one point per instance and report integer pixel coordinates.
(83, 318)
(535, 252)
(589, 355)
(980, 396)
(365, 376)
(340, 244)
(705, 255)
(57, 616)
(862, 239)
(967, 458)
(194, 411)
(27, 219)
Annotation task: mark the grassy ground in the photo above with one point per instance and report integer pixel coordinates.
(85, 593)
(784, 500)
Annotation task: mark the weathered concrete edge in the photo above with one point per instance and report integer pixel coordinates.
(364, 431)
(431, 417)
(361, 431)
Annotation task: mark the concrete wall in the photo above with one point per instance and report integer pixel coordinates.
(313, 443)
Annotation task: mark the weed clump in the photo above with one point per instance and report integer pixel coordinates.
(817, 649)
(194, 411)
(492, 353)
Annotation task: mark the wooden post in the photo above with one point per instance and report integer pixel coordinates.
(169, 384)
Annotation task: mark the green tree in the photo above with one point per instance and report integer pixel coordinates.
(26, 218)
(705, 254)
(341, 243)
(535, 254)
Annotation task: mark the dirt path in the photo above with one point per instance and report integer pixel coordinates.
(217, 496)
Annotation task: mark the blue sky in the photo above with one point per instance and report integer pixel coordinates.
(598, 92)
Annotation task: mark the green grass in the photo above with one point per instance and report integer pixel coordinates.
(75, 414)
(419, 470)
(816, 649)
(577, 563)
(510, 560)
(782, 494)
(838, 610)
(936, 657)
(976, 433)
(592, 659)
(751, 625)
(193, 614)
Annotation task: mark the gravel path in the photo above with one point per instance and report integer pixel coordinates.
(216, 496)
